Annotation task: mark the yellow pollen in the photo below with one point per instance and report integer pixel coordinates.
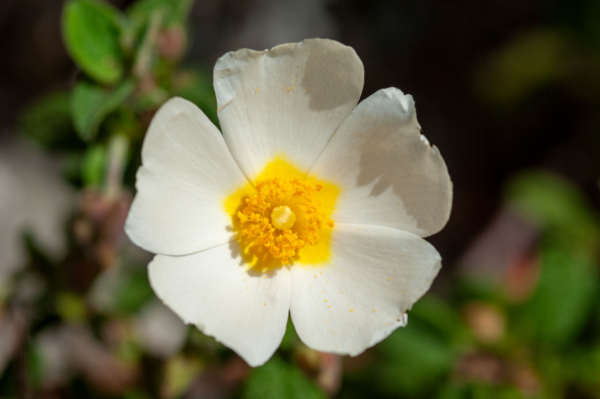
(283, 218)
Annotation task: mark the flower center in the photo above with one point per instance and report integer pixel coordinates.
(283, 218)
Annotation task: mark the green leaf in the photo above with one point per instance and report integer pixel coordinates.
(525, 64)
(414, 359)
(179, 373)
(438, 314)
(71, 167)
(280, 380)
(91, 34)
(556, 205)
(290, 337)
(453, 391)
(563, 297)
(175, 12)
(135, 394)
(35, 372)
(70, 307)
(48, 120)
(134, 292)
(93, 166)
(196, 86)
(584, 367)
(86, 101)
(90, 105)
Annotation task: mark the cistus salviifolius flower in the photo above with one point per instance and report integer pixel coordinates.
(307, 204)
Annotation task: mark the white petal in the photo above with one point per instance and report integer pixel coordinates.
(389, 174)
(187, 170)
(375, 276)
(246, 311)
(286, 101)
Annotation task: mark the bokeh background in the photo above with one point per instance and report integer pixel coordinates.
(508, 90)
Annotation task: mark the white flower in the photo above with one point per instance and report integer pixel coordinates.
(307, 203)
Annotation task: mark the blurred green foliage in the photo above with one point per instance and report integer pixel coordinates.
(556, 205)
(278, 379)
(527, 63)
(48, 121)
(90, 105)
(563, 298)
(127, 73)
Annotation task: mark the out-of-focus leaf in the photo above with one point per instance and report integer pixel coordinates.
(290, 337)
(70, 307)
(196, 86)
(71, 167)
(280, 380)
(34, 367)
(441, 316)
(174, 12)
(480, 391)
(556, 205)
(134, 292)
(563, 297)
(91, 33)
(552, 368)
(90, 104)
(86, 101)
(489, 391)
(415, 359)
(48, 120)
(180, 372)
(205, 344)
(93, 166)
(525, 64)
(584, 367)
(454, 391)
(135, 394)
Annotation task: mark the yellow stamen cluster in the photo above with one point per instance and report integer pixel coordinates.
(271, 198)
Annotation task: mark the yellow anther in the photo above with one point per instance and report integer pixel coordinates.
(282, 217)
